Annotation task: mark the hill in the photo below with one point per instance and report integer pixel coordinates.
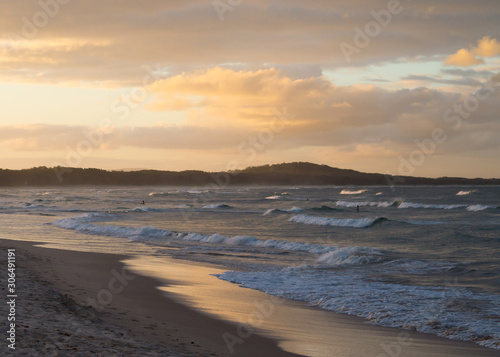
(296, 173)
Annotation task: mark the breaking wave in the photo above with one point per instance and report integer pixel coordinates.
(477, 208)
(158, 194)
(337, 222)
(81, 224)
(217, 205)
(350, 256)
(364, 204)
(428, 206)
(464, 193)
(348, 192)
(290, 210)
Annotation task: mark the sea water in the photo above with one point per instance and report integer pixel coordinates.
(423, 258)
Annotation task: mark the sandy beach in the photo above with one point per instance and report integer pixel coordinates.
(55, 316)
(77, 304)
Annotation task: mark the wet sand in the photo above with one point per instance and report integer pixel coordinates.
(73, 303)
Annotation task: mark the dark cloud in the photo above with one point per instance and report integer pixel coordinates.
(108, 40)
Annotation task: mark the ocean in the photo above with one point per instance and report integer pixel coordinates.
(422, 258)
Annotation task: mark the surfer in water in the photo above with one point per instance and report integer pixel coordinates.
(357, 208)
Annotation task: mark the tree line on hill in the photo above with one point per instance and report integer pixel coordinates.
(286, 174)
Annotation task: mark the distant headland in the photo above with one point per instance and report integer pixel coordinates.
(285, 174)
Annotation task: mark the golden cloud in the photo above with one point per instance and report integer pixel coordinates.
(487, 47)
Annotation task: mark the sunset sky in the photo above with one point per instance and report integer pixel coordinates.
(410, 87)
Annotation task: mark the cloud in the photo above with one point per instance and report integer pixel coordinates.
(111, 42)
(466, 73)
(235, 106)
(464, 81)
(486, 47)
(463, 58)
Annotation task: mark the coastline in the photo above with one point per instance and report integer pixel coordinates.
(130, 314)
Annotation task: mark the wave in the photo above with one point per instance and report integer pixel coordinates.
(217, 205)
(78, 198)
(324, 208)
(82, 224)
(158, 194)
(364, 204)
(337, 222)
(464, 193)
(422, 223)
(350, 256)
(452, 311)
(34, 206)
(196, 192)
(46, 193)
(427, 206)
(79, 225)
(93, 217)
(477, 208)
(149, 209)
(348, 192)
(285, 196)
(290, 210)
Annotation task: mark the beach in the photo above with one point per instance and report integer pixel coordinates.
(73, 303)
(54, 316)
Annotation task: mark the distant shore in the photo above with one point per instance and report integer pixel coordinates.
(76, 303)
(289, 174)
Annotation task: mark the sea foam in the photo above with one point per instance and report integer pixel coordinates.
(428, 206)
(289, 210)
(364, 204)
(81, 224)
(337, 222)
(349, 192)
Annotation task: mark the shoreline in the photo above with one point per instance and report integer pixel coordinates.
(128, 310)
(152, 313)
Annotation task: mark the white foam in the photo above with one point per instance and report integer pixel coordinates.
(289, 210)
(46, 193)
(350, 256)
(349, 192)
(477, 208)
(148, 209)
(152, 234)
(337, 222)
(428, 206)
(451, 312)
(364, 204)
(196, 192)
(113, 231)
(158, 194)
(464, 193)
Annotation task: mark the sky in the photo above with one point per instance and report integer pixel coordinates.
(398, 87)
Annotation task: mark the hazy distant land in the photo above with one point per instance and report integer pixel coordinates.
(286, 174)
